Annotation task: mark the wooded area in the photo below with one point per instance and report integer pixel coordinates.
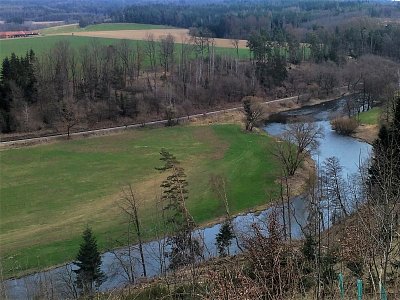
(106, 85)
(303, 49)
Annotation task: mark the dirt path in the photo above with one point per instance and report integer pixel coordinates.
(179, 35)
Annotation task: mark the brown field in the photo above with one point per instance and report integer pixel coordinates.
(179, 35)
(49, 23)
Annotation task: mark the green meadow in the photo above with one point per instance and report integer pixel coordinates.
(43, 44)
(100, 27)
(50, 192)
(370, 117)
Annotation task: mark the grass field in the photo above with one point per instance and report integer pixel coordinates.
(100, 27)
(370, 117)
(48, 193)
(45, 43)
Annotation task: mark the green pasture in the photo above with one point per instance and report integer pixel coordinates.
(370, 117)
(49, 193)
(100, 27)
(43, 44)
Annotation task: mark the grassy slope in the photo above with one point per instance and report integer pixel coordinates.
(48, 193)
(101, 27)
(42, 44)
(370, 117)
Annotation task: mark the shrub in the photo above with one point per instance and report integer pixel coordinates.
(344, 125)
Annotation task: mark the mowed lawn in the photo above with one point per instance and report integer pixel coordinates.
(45, 43)
(49, 193)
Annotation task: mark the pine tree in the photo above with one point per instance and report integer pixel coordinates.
(386, 149)
(89, 275)
(224, 238)
(184, 248)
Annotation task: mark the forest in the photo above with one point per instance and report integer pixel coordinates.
(313, 51)
(296, 48)
(104, 85)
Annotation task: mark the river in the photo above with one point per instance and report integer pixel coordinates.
(349, 151)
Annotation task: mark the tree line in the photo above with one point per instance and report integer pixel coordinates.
(65, 89)
(334, 30)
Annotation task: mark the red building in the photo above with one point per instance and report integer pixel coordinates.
(16, 34)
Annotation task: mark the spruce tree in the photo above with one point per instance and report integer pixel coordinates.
(184, 249)
(89, 275)
(386, 149)
(224, 238)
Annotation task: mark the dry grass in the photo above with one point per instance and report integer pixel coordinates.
(367, 133)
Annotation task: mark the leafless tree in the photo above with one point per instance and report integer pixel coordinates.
(60, 54)
(139, 59)
(235, 44)
(254, 112)
(130, 207)
(74, 70)
(275, 268)
(297, 141)
(151, 52)
(68, 278)
(379, 216)
(335, 188)
(125, 53)
(327, 77)
(69, 115)
(167, 52)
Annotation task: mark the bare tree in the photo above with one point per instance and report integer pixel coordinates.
(235, 44)
(379, 215)
(254, 112)
(335, 188)
(298, 141)
(125, 53)
(151, 52)
(60, 54)
(69, 115)
(139, 59)
(167, 52)
(68, 278)
(327, 77)
(227, 230)
(130, 207)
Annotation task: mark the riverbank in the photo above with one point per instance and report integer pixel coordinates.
(96, 198)
(50, 192)
(242, 221)
(366, 133)
(368, 128)
(349, 151)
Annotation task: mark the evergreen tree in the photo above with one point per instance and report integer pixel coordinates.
(224, 238)
(308, 249)
(386, 161)
(89, 275)
(6, 122)
(184, 248)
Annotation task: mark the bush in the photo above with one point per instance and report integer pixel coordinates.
(344, 125)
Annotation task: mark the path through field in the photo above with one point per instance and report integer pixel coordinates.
(179, 35)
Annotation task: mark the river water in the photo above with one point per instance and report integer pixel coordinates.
(349, 151)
